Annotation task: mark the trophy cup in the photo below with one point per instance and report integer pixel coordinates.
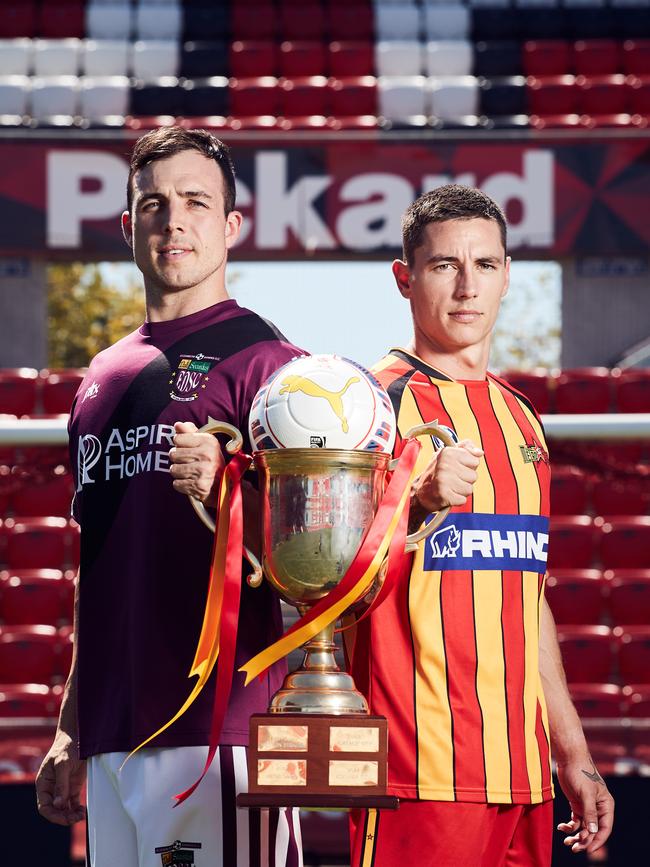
(318, 745)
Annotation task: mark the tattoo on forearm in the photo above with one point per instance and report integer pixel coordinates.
(593, 776)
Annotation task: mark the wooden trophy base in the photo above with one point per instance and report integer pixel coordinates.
(317, 761)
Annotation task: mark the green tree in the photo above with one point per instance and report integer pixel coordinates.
(86, 314)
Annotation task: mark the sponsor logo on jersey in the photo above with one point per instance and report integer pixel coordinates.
(191, 376)
(125, 454)
(533, 453)
(177, 852)
(91, 392)
(480, 541)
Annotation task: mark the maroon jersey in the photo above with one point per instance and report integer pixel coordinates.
(145, 556)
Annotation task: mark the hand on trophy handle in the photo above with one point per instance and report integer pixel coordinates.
(234, 445)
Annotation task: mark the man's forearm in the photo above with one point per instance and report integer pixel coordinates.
(68, 714)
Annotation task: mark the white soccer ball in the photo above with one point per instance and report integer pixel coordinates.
(322, 401)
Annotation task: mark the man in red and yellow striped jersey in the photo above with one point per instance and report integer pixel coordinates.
(463, 657)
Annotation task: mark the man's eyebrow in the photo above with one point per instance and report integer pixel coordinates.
(439, 257)
(186, 194)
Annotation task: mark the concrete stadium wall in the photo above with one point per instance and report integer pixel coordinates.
(23, 313)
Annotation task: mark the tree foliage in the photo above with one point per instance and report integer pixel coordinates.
(86, 314)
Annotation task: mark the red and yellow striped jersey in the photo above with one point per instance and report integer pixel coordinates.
(451, 656)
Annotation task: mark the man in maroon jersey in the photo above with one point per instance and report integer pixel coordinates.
(145, 557)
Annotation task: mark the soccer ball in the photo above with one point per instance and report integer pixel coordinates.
(322, 401)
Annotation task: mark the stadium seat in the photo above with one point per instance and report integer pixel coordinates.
(253, 58)
(204, 59)
(301, 58)
(36, 596)
(449, 21)
(591, 22)
(352, 21)
(576, 595)
(540, 24)
(569, 490)
(354, 96)
(597, 700)
(586, 652)
(312, 122)
(635, 57)
(453, 97)
(603, 95)
(632, 390)
(633, 653)
(43, 496)
(160, 96)
(27, 701)
(15, 56)
(100, 57)
(637, 702)
(583, 390)
(253, 22)
(18, 386)
(61, 19)
(18, 19)
(571, 543)
(155, 58)
(491, 23)
(400, 21)
(304, 21)
(14, 95)
(504, 96)
(640, 95)
(205, 96)
(56, 56)
(109, 20)
(448, 57)
(304, 96)
(350, 57)
(401, 97)
(37, 543)
(497, 58)
(625, 542)
(547, 57)
(596, 57)
(102, 97)
(255, 96)
(399, 57)
(158, 21)
(206, 21)
(533, 384)
(28, 654)
(54, 95)
(624, 495)
(553, 95)
(353, 122)
(629, 596)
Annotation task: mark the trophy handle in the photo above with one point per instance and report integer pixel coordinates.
(233, 446)
(431, 429)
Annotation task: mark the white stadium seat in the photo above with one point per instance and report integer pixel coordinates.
(449, 57)
(401, 96)
(397, 21)
(106, 57)
(104, 97)
(54, 95)
(398, 57)
(447, 22)
(154, 58)
(109, 20)
(453, 97)
(14, 94)
(56, 56)
(15, 56)
(158, 21)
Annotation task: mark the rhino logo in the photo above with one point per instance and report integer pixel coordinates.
(445, 542)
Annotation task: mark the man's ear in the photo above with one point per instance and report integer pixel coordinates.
(127, 228)
(402, 275)
(234, 222)
(506, 285)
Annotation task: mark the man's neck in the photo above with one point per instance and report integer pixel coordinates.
(163, 306)
(467, 364)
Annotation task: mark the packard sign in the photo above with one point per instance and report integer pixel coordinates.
(339, 198)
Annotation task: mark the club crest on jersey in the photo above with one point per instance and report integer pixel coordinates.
(533, 453)
(191, 376)
(177, 852)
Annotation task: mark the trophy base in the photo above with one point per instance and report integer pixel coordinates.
(317, 760)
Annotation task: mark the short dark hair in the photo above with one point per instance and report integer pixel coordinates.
(451, 202)
(168, 141)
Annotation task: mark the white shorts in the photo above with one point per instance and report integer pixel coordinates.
(132, 821)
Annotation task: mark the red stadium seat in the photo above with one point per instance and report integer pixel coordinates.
(350, 57)
(632, 390)
(637, 700)
(533, 384)
(253, 58)
(636, 57)
(266, 122)
(586, 653)
(308, 121)
(597, 699)
(354, 20)
(583, 390)
(59, 19)
(27, 700)
(569, 490)
(553, 95)
(625, 542)
(361, 121)
(28, 654)
(18, 19)
(547, 57)
(629, 596)
(59, 389)
(303, 57)
(38, 543)
(300, 97)
(603, 95)
(353, 96)
(256, 21)
(255, 96)
(633, 653)
(572, 542)
(18, 390)
(596, 57)
(614, 121)
(576, 595)
(304, 21)
(33, 596)
(557, 121)
(640, 95)
(51, 495)
(624, 495)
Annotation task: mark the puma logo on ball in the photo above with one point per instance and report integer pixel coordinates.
(293, 383)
